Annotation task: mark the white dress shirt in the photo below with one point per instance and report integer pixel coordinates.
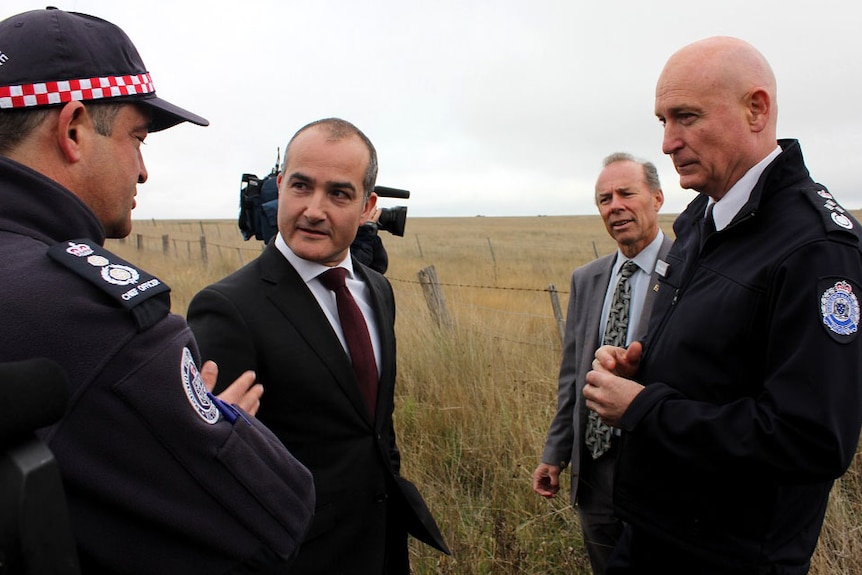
(646, 261)
(736, 197)
(309, 272)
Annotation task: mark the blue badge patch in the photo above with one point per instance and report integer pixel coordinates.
(196, 391)
(839, 308)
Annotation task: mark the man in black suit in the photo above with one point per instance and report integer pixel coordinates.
(276, 317)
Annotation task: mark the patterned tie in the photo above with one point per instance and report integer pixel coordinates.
(356, 334)
(598, 438)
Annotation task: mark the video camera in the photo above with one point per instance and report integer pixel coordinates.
(258, 207)
(392, 219)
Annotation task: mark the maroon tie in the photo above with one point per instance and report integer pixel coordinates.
(356, 333)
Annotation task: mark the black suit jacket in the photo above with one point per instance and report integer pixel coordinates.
(263, 317)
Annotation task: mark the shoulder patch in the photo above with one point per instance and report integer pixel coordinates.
(196, 391)
(125, 283)
(839, 309)
(835, 217)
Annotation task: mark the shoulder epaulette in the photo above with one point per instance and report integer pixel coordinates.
(836, 220)
(144, 295)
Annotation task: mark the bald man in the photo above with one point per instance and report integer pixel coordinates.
(744, 403)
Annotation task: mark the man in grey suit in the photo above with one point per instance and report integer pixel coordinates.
(280, 316)
(629, 196)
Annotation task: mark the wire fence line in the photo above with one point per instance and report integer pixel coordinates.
(199, 246)
(473, 286)
(191, 246)
(508, 312)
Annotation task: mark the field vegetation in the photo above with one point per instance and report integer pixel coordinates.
(474, 402)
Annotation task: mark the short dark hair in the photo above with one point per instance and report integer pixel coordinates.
(103, 115)
(16, 124)
(338, 130)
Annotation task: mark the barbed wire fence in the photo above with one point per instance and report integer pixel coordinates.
(192, 248)
(432, 289)
(200, 242)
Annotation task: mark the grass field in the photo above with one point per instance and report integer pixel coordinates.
(473, 404)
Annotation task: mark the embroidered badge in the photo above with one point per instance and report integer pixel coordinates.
(120, 275)
(839, 308)
(832, 209)
(196, 391)
(97, 261)
(123, 281)
(79, 250)
(842, 221)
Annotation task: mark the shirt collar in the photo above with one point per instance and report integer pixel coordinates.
(306, 269)
(737, 196)
(646, 258)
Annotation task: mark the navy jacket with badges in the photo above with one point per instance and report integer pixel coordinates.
(160, 477)
(753, 374)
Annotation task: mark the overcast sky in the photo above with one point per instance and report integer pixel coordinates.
(477, 107)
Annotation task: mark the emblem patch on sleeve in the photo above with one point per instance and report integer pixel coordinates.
(196, 391)
(839, 308)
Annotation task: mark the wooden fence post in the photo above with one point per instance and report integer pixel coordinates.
(204, 249)
(139, 242)
(558, 311)
(434, 297)
(493, 258)
(166, 244)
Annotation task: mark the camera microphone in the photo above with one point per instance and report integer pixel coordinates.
(385, 192)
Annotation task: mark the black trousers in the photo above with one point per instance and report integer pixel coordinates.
(600, 526)
(639, 553)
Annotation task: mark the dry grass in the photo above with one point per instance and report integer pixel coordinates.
(473, 405)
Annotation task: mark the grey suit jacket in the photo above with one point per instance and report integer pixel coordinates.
(565, 443)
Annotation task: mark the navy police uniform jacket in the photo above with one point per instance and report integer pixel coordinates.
(160, 477)
(753, 375)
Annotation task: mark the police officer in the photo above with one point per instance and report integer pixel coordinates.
(160, 475)
(747, 403)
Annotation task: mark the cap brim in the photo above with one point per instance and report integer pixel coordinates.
(166, 115)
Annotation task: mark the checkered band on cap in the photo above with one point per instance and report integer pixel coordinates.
(47, 93)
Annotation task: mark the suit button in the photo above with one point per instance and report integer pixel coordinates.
(380, 498)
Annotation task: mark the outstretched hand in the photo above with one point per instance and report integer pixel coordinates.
(244, 392)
